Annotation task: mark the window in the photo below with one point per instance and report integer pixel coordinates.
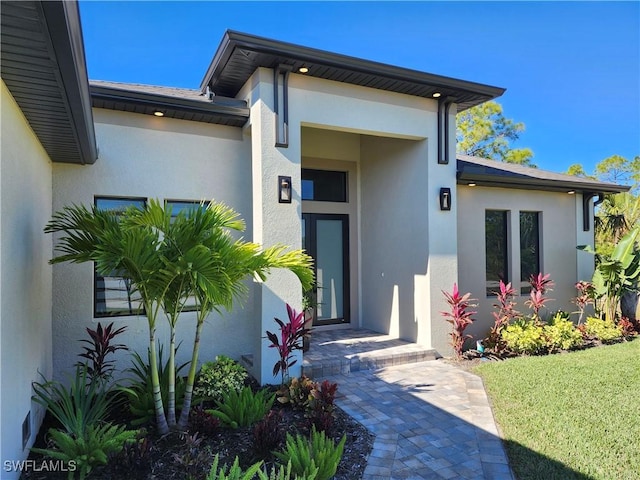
(529, 248)
(324, 185)
(114, 295)
(497, 263)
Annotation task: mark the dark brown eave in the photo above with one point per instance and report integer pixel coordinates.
(240, 54)
(43, 66)
(529, 179)
(171, 107)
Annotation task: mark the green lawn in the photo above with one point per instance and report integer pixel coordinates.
(574, 415)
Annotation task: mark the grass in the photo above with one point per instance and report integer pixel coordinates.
(575, 415)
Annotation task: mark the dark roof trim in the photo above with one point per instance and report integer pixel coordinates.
(172, 107)
(67, 137)
(235, 40)
(534, 179)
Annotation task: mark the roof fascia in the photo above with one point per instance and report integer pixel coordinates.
(64, 36)
(234, 39)
(164, 101)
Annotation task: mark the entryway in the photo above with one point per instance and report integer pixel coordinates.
(326, 238)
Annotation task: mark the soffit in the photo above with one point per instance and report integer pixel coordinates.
(43, 66)
(239, 55)
(490, 173)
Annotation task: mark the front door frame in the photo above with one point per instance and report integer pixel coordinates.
(310, 224)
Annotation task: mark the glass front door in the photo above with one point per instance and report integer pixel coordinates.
(326, 238)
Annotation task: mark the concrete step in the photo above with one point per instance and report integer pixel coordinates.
(349, 350)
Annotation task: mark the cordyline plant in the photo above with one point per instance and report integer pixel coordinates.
(540, 285)
(506, 312)
(586, 296)
(459, 317)
(168, 260)
(99, 367)
(290, 340)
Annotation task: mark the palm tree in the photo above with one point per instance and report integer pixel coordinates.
(617, 216)
(102, 237)
(194, 257)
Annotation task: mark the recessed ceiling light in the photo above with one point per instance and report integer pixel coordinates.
(472, 184)
(303, 69)
(158, 113)
(436, 94)
(571, 192)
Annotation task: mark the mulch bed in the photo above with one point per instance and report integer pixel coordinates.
(181, 456)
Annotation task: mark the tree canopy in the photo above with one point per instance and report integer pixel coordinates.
(484, 131)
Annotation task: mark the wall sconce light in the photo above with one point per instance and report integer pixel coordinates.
(284, 189)
(445, 198)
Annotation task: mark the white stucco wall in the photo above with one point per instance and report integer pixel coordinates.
(25, 278)
(146, 156)
(559, 228)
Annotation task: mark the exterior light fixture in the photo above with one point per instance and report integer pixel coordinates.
(303, 69)
(571, 192)
(472, 184)
(445, 198)
(284, 189)
(436, 94)
(159, 113)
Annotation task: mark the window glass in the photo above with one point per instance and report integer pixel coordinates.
(114, 295)
(497, 265)
(324, 185)
(529, 248)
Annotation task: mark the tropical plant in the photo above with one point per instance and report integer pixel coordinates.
(268, 433)
(202, 422)
(89, 449)
(561, 334)
(216, 378)
(505, 313)
(244, 408)
(291, 339)
(586, 296)
(524, 336)
(297, 393)
(540, 285)
(99, 349)
(168, 260)
(603, 329)
(234, 472)
(77, 407)
(616, 274)
(459, 317)
(308, 454)
(139, 390)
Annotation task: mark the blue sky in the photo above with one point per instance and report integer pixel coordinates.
(571, 69)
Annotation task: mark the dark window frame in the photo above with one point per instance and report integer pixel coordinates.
(491, 290)
(320, 175)
(121, 313)
(525, 287)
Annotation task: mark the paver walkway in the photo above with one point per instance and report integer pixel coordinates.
(432, 420)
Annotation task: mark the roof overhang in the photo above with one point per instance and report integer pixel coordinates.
(240, 54)
(515, 176)
(43, 66)
(147, 103)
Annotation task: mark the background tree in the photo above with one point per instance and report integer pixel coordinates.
(484, 131)
(619, 213)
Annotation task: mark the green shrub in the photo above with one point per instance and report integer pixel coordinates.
(283, 473)
(308, 455)
(562, 334)
(139, 392)
(91, 448)
(236, 473)
(524, 336)
(603, 330)
(217, 378)
(82, 404)
(244, 408)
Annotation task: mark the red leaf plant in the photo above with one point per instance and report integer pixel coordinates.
(586, 296)
(459, 317)
(290, 340)
(540, 285)
(506, 312)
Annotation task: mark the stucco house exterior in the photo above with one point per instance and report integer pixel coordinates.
(351, 159)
